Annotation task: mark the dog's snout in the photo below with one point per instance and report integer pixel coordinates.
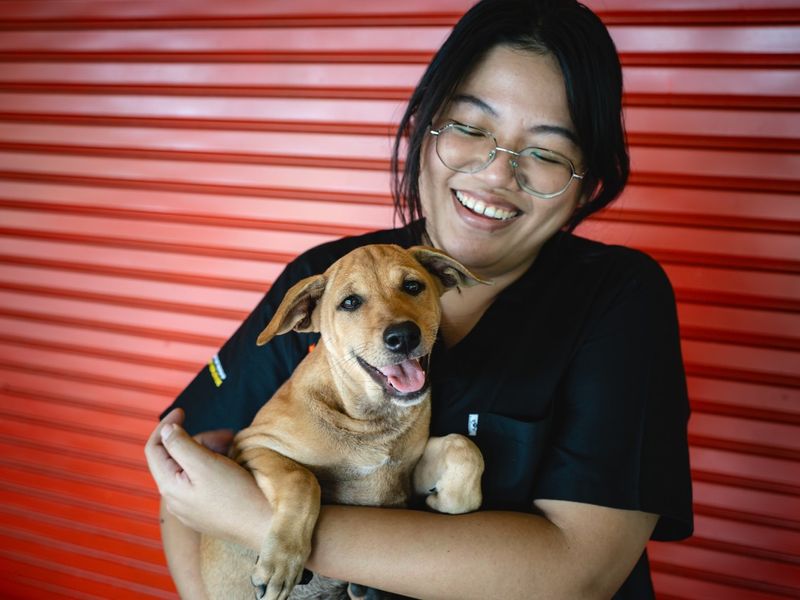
(402, 337)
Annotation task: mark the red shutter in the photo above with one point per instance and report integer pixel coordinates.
(161, 161)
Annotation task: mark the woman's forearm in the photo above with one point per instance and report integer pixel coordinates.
(182, 550)
(428, 555)
(575, 551)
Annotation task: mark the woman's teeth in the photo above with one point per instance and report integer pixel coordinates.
(479, 207)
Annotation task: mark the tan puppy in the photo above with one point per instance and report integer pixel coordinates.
(351, 424)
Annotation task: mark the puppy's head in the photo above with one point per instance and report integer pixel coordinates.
(378, 312)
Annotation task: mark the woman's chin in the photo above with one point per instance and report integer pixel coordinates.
(475, 256)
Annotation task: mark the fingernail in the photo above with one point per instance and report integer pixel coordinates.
(166, 431)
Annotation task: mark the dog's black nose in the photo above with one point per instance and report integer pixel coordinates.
(402, 337)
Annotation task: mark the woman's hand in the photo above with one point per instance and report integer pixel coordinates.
(205, 490)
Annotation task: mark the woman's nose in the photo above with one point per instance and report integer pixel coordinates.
(500, 172)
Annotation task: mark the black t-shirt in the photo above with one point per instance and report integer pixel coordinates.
(572, 383)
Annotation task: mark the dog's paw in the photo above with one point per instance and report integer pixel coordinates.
(278, 569)
(458, 489)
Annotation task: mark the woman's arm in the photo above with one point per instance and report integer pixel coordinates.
(181, 543)
(202, 491)
(571, 550)
(182, 550)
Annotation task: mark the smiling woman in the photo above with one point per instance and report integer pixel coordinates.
(570, 73)
(520, 97)
(161, 163)
(581, 419)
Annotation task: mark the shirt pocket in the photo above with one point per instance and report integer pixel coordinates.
(512, 451)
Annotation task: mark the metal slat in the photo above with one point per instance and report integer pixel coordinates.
(59, 561)
(145, 552)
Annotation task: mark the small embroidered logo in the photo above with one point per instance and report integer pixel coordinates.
(472, 424)
(216, 370)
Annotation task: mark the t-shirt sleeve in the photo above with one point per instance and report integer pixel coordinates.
(620, 424)
(242, 376)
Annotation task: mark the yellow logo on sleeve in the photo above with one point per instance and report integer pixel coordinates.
(216, 370)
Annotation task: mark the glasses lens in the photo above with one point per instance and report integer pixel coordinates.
(543, 172)
(464, 148)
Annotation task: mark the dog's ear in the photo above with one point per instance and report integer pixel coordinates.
(296, 310)
(445, 268)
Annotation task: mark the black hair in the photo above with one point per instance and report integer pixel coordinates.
(592, 74)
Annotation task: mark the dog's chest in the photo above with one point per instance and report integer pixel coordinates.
(381, 481)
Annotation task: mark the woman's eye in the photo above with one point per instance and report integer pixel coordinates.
(468, 131)
(413, 287)
(350, 303)
(544, 156)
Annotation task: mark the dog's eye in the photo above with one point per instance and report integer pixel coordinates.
(413, 287)
(350, 303)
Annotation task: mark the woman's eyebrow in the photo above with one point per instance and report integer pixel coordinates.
(476, 102)
(556, 129)
(549, 129)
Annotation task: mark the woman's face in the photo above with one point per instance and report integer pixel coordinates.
(520, 97)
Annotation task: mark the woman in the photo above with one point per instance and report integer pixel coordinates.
(567, 371)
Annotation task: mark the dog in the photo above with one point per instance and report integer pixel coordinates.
(351, 426)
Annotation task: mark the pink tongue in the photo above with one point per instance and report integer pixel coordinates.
(405, 377)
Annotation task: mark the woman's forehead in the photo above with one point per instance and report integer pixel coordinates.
(519, 87)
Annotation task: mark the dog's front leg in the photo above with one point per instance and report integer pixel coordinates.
(294, 494)
(449, 474)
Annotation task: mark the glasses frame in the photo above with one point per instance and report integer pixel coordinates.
(514, 164)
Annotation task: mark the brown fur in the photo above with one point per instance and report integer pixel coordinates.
(332, 433)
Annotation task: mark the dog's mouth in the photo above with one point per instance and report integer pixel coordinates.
(406, 380)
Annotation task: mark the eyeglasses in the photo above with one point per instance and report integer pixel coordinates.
(540, 172)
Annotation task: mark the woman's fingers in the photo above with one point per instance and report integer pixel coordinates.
(190, 455)
(173, 455)
(162, 465)
(204, 490)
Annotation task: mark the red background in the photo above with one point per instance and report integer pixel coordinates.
(161, 161)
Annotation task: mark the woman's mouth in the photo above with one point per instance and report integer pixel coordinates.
(479, 207)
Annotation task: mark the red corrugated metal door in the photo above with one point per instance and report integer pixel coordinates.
(161, 161)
